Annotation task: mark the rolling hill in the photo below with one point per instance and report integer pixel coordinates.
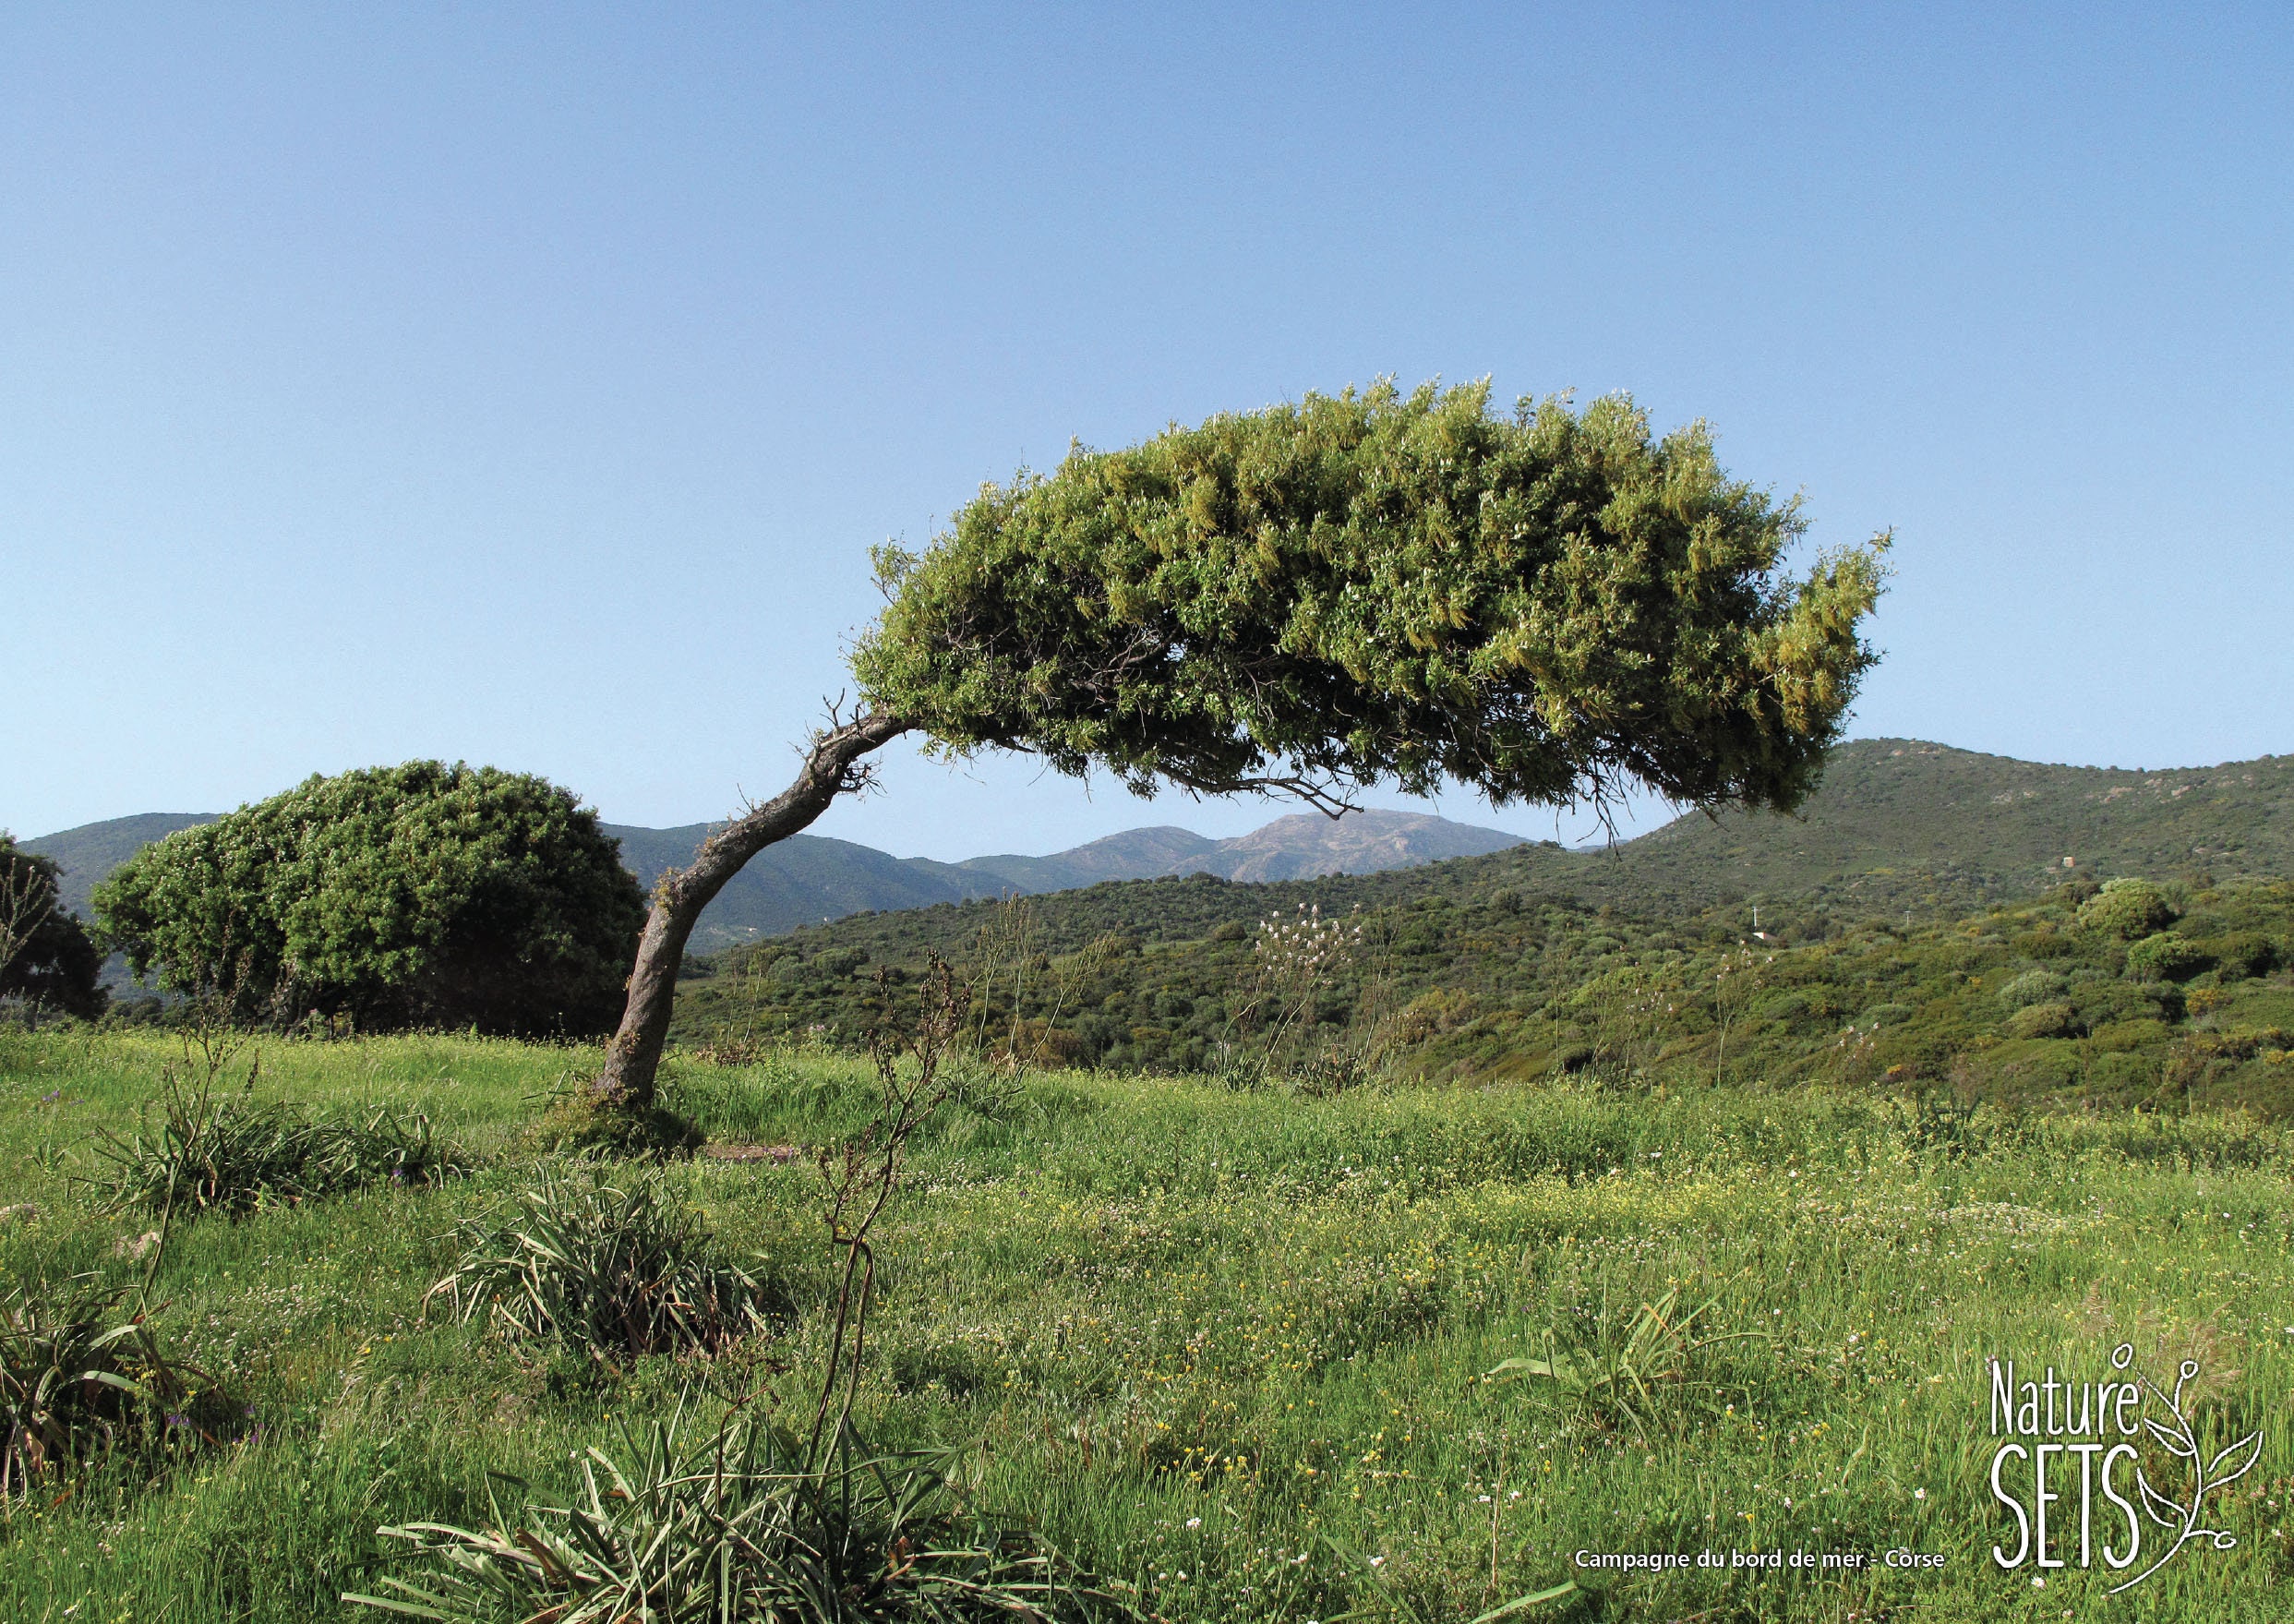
(808, 879)
(1921, 887)
(1898, 824)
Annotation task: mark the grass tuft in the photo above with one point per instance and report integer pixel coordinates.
(607, 1263)
(211, 1153)
(732, 1526)
(80, 1380)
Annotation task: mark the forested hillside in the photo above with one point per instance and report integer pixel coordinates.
(1897, 825)
(2015, 1003)
(1920, 875)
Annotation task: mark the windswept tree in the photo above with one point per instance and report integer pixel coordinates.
(1547, 607)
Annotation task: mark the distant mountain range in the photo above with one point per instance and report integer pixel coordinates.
(1898, 826)
(808, 879)
(1898, 823)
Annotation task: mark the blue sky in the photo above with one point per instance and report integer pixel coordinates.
(526, 385)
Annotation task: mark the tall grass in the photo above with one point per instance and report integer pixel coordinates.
(226, 1153)
(1224, 1346)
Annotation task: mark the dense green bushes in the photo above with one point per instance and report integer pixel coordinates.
(2039, 1001)
(419, 895)
(2129, 910)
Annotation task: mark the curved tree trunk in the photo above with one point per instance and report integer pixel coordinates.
(832, 768)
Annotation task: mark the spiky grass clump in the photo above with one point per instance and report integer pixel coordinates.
(733, 1525)
(213, 1152)
(607, 1263)
(81, 1379)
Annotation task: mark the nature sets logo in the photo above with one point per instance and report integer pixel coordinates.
(2114, 1430)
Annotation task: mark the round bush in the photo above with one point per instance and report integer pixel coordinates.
(2243, 953)
(2033, 987)
(2167, 957)
(2052, 1019)
(421, 895)
(2128, 909)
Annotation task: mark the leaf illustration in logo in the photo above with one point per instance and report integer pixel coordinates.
(2164, 1511)
(2217, 1474)
(2174, 1442)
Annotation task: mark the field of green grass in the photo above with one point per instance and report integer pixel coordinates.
(1222, 1346)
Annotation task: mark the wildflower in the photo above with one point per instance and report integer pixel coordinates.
(1194, 1522)
(1919, 1494)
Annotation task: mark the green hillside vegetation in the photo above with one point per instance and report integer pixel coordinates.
(2029, 1002)
(1897, 824)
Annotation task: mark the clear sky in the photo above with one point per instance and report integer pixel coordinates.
(525, 385)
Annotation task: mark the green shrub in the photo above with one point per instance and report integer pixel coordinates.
(412, 895)
(2167, 957)
(1888, 1015)
(2242, 954)
(80, 1380)
(2127, 909)
(1786, 1006)
(207, 1155)
(607, 1264)
(2052, 1019)
(1610, 1367)
(733, 1525)
(229, 1154)
(2033, 987)
(2044, 943)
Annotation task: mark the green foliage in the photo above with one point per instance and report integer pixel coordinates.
(2242, 954)
(607, 1263)
(2168, 956)
(419, 894)
(2054, 1018)
(732, 1526)
(1376, 585)
(2033, 986)
(1466, 986)
(46, 959)
(2129, 910)
(1614, 1368)
(579, 1122)
(211, 1151)
(81, 1379)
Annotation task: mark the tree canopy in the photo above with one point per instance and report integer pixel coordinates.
(1376, 585)
(416, 895)
(46, 959)
(1319, 597)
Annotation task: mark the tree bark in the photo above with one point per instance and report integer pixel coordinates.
(832, 768)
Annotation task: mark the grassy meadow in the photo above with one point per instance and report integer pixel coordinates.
(1222, 1346)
